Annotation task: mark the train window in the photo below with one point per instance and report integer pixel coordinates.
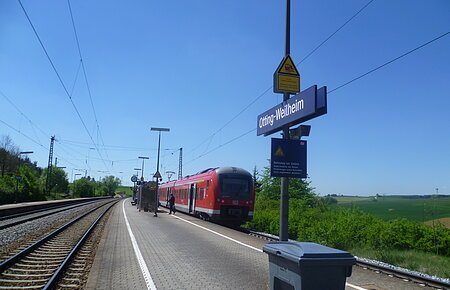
(234, 187)
(201, 193)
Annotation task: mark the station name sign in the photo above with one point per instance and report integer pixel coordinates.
(301, 107)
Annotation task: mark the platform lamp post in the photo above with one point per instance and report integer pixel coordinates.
(157, 174)
(75, 178)
(137, 171)
(137, 174)
(169, 174)
(142, 172)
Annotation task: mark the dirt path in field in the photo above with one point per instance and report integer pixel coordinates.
(443, 221)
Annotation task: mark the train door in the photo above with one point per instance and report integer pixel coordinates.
(168, 191)
(192, 197)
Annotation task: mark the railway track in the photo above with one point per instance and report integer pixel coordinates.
(19, 218)
(42, 264)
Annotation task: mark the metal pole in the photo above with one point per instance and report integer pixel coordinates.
(143, 159)
(180, 165)
(159, 143)
(284, 200)
(158, 174)
(142, 171)
(157, 180)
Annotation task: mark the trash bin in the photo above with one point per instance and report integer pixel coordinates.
(300, 265)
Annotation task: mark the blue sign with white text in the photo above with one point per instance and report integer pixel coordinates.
(288, 158)
(308, 104)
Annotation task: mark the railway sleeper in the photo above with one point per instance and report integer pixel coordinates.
(28, 270)
(69, 286)
(44, 259)
(49, 251)
(73, 280)
(32, 263)
(15, 281)
(27, 275)
(73, 274)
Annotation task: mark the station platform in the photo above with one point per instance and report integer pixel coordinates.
(140, 251)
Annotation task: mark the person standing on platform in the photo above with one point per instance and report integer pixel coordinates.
(172, 204)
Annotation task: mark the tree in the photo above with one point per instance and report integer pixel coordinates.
(255, 179)
(29, 188)
(110, 184)
(9, 153)
(271, 186)
(59, 181)
(83, 187)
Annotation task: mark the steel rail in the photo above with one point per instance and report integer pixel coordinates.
(417, 278)
(53, 210)
(15, 210)
(11, 260)
(59, 272)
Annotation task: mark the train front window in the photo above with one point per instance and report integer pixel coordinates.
(235, 188)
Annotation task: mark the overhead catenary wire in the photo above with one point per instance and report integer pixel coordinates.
(269, 88)
(75, 143)
(32, 140)
(85, 75)
(22, 114)
(62, 83)
(38, 142)
(336, 31)
(388, 62)
(337, 88)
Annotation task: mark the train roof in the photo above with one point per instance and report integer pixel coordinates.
(219, 170)
(229, 169)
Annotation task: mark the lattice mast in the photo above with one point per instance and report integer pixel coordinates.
(50, 165)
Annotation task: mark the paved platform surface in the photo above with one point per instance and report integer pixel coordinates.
(177, 253)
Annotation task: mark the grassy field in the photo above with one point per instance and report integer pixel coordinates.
(394, 207)
(125, 189)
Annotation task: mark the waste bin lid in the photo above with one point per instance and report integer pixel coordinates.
(303, 252)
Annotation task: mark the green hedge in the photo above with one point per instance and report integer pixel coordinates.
(311, 220)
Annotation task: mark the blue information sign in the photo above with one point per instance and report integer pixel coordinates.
(302, 107)
(288, 158)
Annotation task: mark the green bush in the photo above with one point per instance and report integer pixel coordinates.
(349, 228)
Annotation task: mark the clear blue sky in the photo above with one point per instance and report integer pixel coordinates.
(193, 66)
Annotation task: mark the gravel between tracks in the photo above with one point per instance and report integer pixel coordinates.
(11, 239)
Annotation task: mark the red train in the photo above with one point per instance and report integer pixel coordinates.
(222, 194)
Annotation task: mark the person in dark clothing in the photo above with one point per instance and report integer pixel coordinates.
(172, 204)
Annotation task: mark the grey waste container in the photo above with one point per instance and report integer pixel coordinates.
(299, 265)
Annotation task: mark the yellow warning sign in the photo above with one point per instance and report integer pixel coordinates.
(279, 152)
(288, 83)
(286, 78)
(287, 66)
